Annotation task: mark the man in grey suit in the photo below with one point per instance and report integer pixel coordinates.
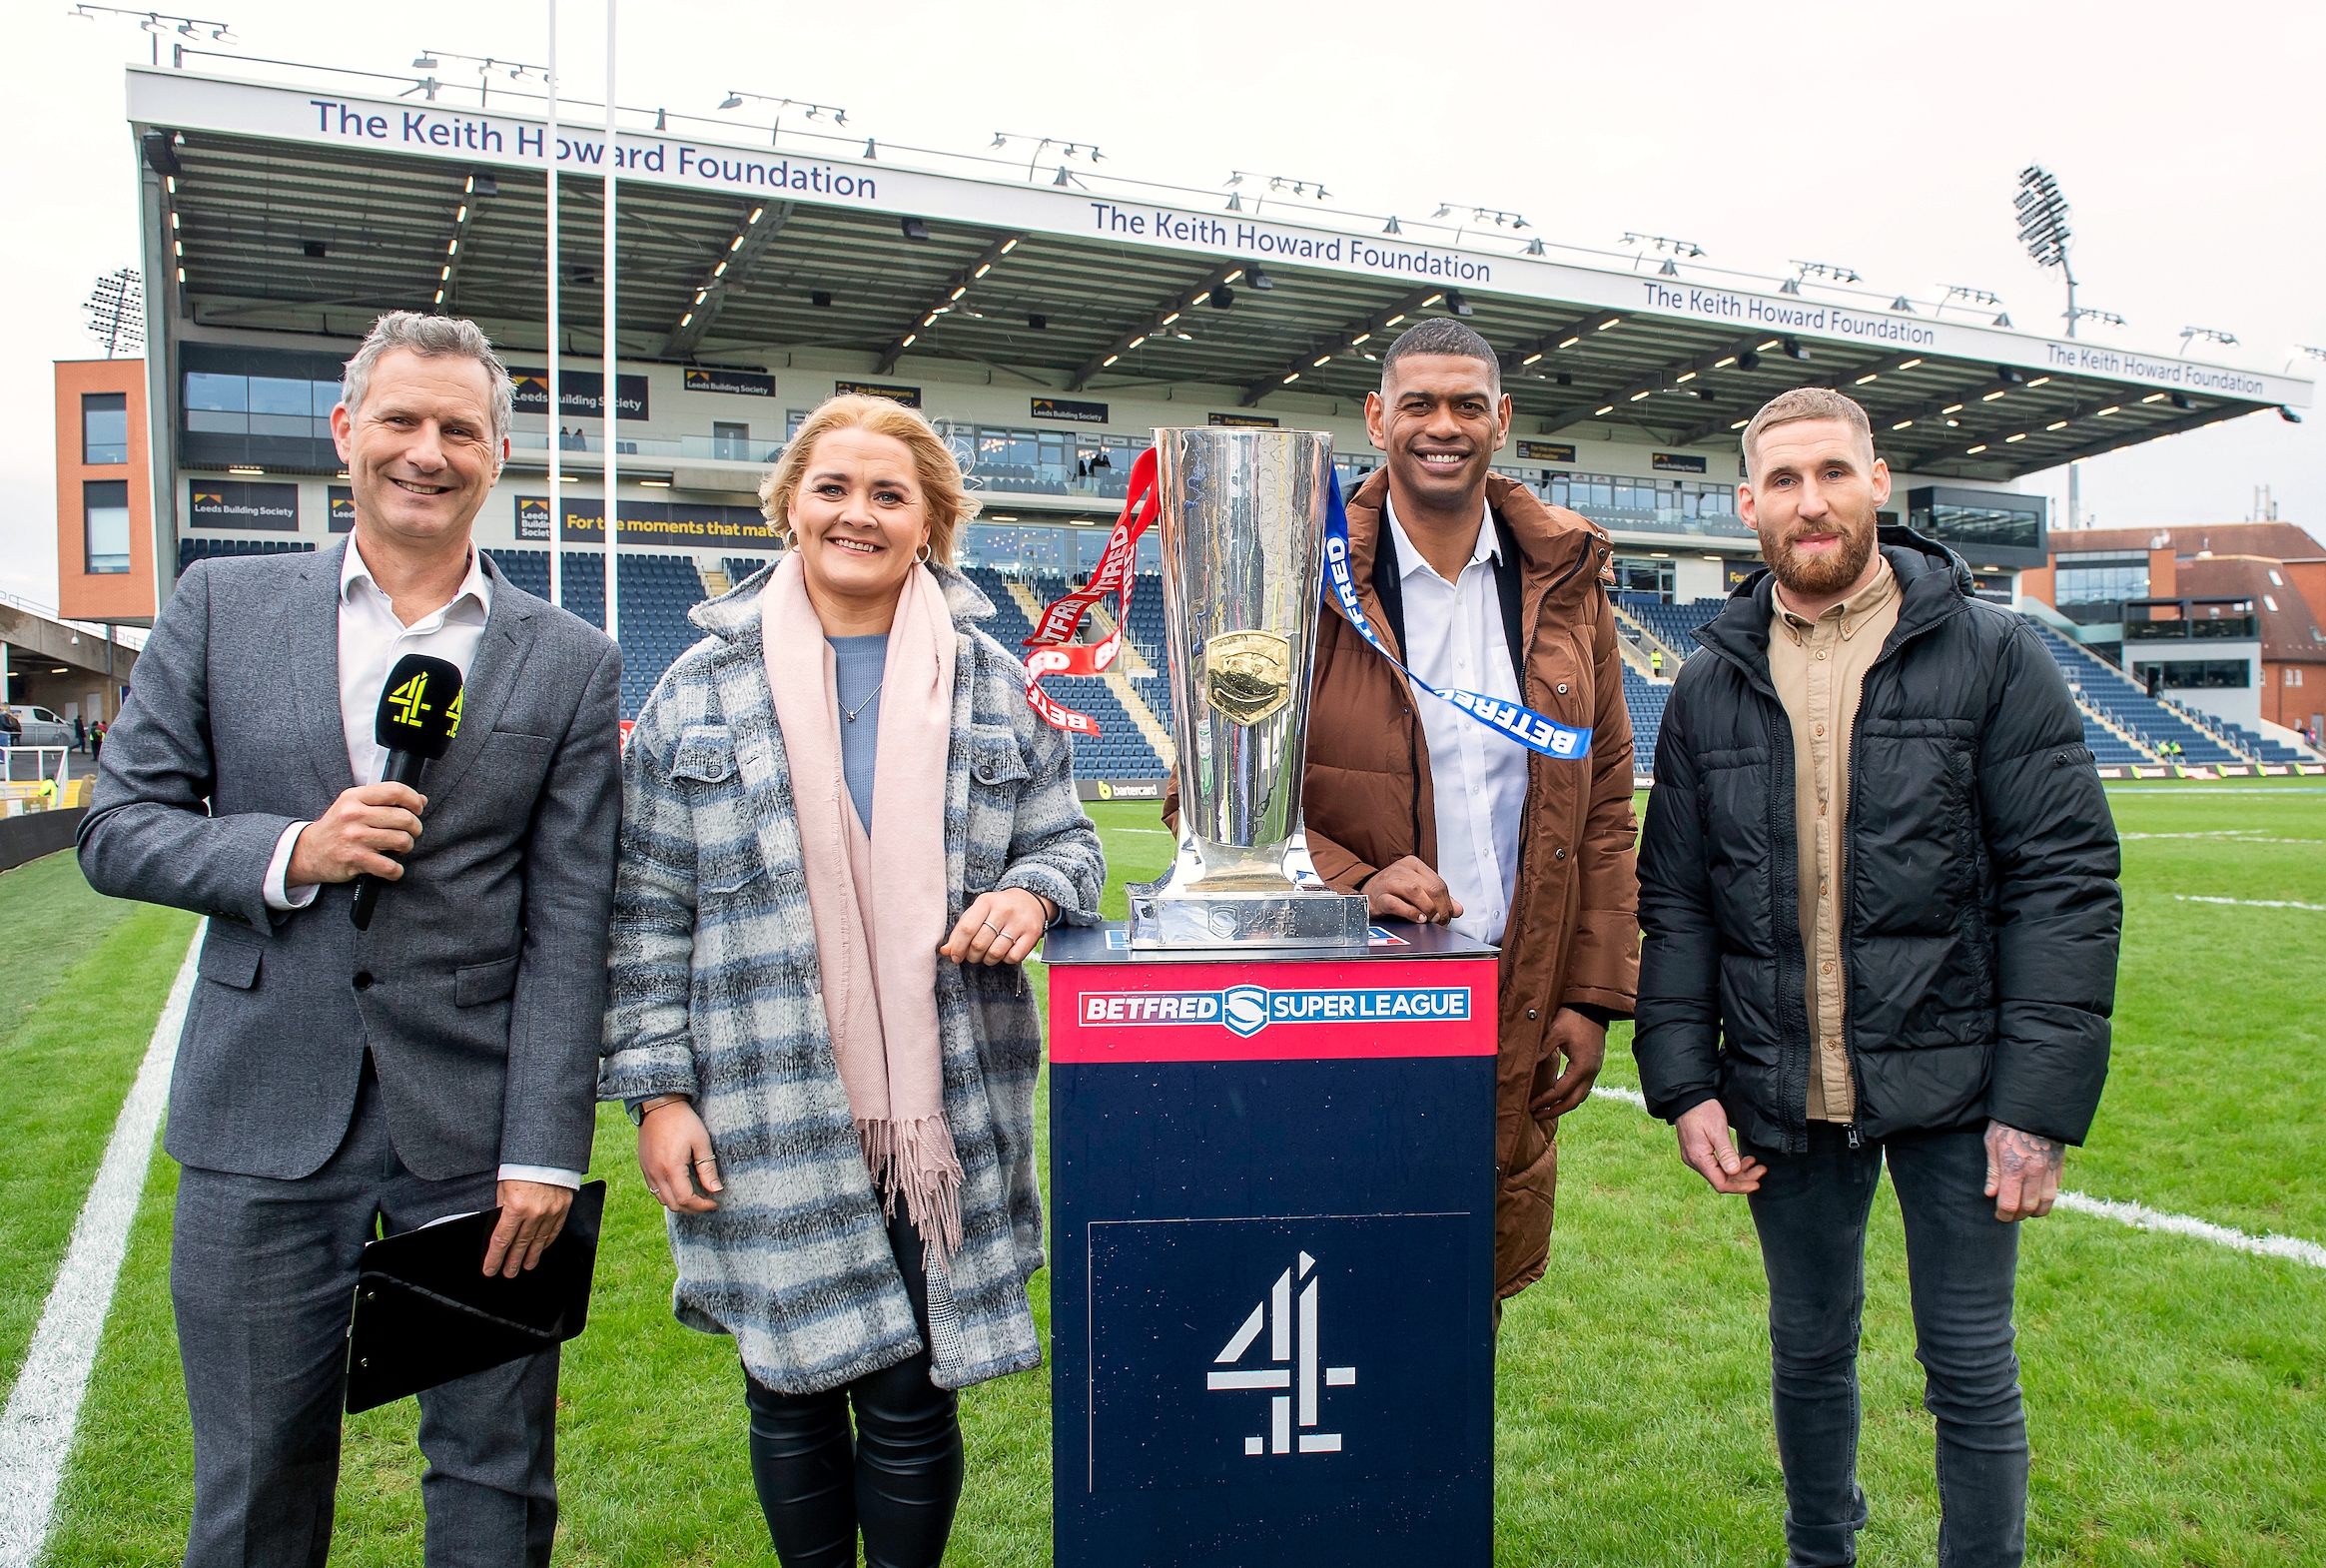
(334, 1084)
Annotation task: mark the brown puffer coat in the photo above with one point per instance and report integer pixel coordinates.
(1573, 936)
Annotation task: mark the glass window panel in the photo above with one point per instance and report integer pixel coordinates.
(327, 397)
(223, 393)
(296, 426)
(204, 421)
(105, 511)
(1996, 523)
(276, 394)
(104, 427)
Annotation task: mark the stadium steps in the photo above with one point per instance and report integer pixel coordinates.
(2148, 722)
(1159, 736)
(1128, 661)
(1636, 654)
(2100, 717)
(715, 579)
(1132, 657)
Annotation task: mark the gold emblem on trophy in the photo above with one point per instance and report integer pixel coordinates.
(1248, 675)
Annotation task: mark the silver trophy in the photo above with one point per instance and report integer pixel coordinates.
(1242, 561)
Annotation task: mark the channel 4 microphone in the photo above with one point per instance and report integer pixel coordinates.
(420, 713)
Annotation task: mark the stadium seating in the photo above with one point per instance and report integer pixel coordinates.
(1646, 700)
(1120, 750)
(2100, 686)
(657, 591)
(192, 551)
(1672, 624)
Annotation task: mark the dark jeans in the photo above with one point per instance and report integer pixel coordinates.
(1810, 1213)
(898, 1479)
(263, 1274)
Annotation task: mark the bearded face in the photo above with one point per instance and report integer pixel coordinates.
(1815, 560)
(1816, 493)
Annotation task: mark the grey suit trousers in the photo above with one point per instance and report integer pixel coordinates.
(263, 1274)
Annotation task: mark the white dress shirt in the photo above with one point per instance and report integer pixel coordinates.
(372, 639)
(1454, 639)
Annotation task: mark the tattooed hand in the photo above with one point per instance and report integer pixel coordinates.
(2022, 1172)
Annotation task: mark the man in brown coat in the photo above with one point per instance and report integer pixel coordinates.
(1477, 585)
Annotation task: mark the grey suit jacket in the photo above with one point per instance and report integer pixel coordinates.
(481, 986)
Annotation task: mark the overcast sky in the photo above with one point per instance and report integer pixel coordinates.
(1884, 137)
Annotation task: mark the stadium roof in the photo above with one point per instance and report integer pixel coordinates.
(313, 211)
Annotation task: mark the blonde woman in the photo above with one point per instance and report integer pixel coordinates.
(844, 831)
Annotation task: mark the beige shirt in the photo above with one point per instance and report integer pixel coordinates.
(1819, 668)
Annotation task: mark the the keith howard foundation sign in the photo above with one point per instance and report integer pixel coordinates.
(169, 99)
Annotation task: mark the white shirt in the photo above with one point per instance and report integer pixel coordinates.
(1454, 639)
(372, 639)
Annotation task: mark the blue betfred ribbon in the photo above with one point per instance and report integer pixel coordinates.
(1510, 720)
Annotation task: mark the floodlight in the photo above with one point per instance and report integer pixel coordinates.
(1257, 278)
(914, 228)
(731, 101)
(1391, 226)
(425, 63)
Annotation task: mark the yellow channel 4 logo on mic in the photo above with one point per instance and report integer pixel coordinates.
(410, 701)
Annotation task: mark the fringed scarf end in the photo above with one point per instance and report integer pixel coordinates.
(916, 1159)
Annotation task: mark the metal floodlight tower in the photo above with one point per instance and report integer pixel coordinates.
(2044, 227)
(2044, 231)
(117, 311)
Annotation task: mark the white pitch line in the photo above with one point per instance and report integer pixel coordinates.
(2143, 1217)
(2137, 1216)
(2249, 903)
(36, 1430)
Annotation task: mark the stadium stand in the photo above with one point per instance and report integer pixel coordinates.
(657, 591)
(1645, 699)
(1120, 750)
(2101, 688)
(526, 569)
(1672, 624)
(192, 551)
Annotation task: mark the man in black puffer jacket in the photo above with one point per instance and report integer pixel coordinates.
(1878, 891)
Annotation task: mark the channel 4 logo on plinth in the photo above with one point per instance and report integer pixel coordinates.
(1326, 1350)
(1292, 1346)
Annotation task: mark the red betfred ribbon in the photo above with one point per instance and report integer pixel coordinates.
(1053, 652)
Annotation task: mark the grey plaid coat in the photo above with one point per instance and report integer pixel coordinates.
(715, 994)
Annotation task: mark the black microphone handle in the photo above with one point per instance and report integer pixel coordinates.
(403, 767)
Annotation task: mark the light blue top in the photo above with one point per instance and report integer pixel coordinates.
(861, 662)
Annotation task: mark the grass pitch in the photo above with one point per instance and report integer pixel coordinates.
(2176, 1390)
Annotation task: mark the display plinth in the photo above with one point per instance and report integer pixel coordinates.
(1272, 1252)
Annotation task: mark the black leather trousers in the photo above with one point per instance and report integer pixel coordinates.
(897, 1479)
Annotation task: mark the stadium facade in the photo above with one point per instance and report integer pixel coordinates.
(1045, 315)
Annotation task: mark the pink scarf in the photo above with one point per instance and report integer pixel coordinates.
(878, 901)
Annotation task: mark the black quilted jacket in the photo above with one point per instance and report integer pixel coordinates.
(1979, 906)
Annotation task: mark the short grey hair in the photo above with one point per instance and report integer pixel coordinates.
(1442, 335)
(428, 337)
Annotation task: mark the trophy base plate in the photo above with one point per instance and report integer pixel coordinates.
(1285, 917)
